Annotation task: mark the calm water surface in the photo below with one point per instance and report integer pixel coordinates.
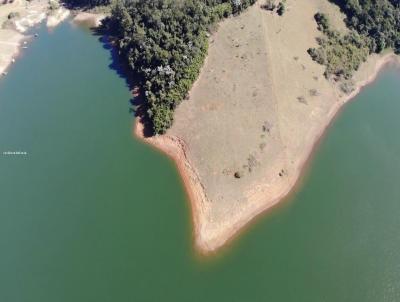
(91, 214)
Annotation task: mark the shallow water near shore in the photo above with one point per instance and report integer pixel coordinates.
(92, 214)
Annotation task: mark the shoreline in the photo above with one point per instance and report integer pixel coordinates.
(11, 57)
(176, 150)
(16, 37)
(57, 17)
(87, 18)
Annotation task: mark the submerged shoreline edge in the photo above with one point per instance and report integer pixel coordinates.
(176, 149)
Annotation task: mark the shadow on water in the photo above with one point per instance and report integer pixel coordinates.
(138, 107)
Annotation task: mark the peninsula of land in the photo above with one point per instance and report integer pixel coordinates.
(242, 139)
(265, 95)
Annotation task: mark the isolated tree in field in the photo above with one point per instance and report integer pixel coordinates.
(281, 8)
(269, 5)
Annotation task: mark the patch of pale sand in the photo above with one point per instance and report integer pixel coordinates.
(258, 107)
(32, 18)
(30, 13)
(89, 19)
(10, 41)
(17, 6)
(57, 17)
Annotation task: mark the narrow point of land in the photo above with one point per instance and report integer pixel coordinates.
(254, 115)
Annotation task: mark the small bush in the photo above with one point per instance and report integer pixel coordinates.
(322, 21)
(238, 174)
(302, 100)
(269, 5)
(13, 15)
(53, 5)
(347, 87)
(281, 8)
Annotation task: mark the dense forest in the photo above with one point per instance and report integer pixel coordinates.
(164, 42)
(87, 3)
(377, 19)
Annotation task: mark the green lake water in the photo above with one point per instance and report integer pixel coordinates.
(92, 214)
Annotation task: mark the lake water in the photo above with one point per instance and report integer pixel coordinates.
(92, 214)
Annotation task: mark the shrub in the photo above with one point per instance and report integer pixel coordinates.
(281, 8)
(341, 54)
(269, 5)
(378, 20)
(13, 15)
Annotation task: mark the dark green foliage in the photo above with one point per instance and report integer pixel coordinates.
(375, 26)
(12, 15)
(322, 21)
(164, 43)
(269, 5)
(281, 8)
(376, 19)
(87, 3)
(341, 54)
(238, 5)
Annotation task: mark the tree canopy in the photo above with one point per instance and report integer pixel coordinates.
(376, 19)
(374, 26)
(87, 3)
(342, 54)
(164, 43)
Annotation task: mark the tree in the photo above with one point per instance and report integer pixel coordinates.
(281, 8)
(164, 43)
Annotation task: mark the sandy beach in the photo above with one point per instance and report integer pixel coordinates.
(89, 19)
(258, 109)
(26, 15)
(57, 17)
